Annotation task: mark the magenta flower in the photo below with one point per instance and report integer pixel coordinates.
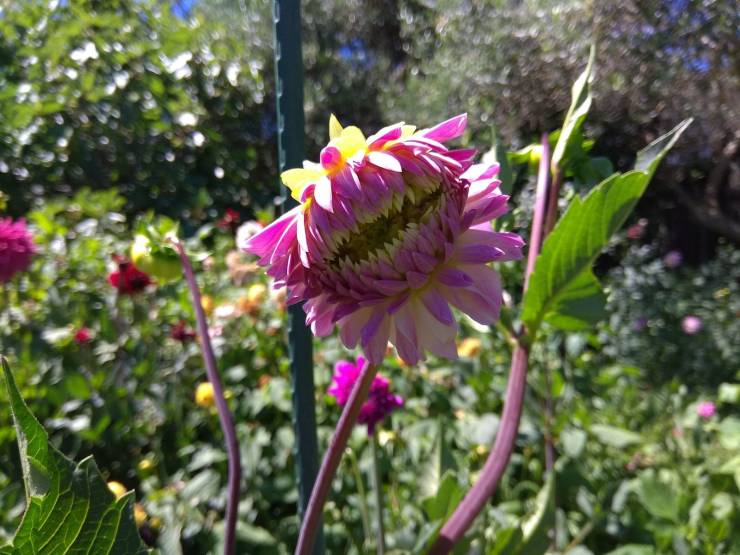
(706, 409)
(82, 336)
(16, 248)
(380, 402)
(673, 259)
(691, 324)
(390, 232)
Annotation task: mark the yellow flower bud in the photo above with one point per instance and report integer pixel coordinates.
(146, 464)
(207, 303)
(204, 395)
(117, 488)
(256, 293)
(139, 515)
(469, 347)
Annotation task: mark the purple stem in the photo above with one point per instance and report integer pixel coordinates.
(224, 416)
(498, 459)
(540, 210)
(333, 456)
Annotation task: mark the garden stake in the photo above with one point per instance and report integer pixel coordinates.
(333, 456)
(224, 416)
(290, 121)
(498, 459)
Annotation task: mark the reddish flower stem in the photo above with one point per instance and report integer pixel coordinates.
(498, 459)
(224, 416)
(312, 518)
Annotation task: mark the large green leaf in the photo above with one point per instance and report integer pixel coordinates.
(657, 497)
(563, 290)
(536, 528)
(69, 507)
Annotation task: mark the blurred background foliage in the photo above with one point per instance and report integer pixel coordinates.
(113, 108)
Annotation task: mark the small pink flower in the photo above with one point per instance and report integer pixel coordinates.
(82, 335)
(16, 248)
(673, 259)
(691, 324)
(706, 409)
(380, 402)
(637, 230)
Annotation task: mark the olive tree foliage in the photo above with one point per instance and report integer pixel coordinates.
(510, 64)
(122, 93)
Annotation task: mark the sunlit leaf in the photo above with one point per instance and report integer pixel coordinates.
(69, 506)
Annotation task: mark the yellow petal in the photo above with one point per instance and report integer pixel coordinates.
(298, 178)
(350, 141)
(407, 131)
(335, 128)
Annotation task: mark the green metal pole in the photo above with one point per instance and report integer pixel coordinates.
(290, 120)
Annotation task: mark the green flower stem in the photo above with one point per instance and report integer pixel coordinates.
(312, 517)
(498, 459)
(364, 511)
(224, 416)
(378, 491)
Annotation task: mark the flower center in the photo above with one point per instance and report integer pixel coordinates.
(380, 232)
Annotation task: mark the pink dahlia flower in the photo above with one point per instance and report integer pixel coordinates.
(390, 232)
(380, 402)
(706, 409)
(16, 248)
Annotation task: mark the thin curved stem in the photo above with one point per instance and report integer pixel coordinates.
(498, 459)
(224, 416)
(312, 518)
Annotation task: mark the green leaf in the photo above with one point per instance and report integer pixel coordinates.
(446, 499)
(633, 549)
(563, 290)
(615, 437)
(574, 441)
(536, 528)
(508, 540)
(658, 498)
(579, 106)
(439, 461)
(69, 507)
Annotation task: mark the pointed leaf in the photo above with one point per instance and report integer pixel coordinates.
(579, 106)
(69, 507)
(562, 289)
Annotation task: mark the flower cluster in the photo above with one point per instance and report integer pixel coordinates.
(390, 231)
(127, 278)
(16, 248)
(380, 402)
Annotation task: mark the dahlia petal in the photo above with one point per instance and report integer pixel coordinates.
(335, 128)
(264, 241)
(323, 194)
(351, 326)
(437, 306)
(298, 178)
(390, 287)
(478, 254)
(480, 171)
(374, 336)
(385, 161)
(416, 280)
(486, 281)
(389, 133)
(447, 130)
(454, 277)
(481, 309)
